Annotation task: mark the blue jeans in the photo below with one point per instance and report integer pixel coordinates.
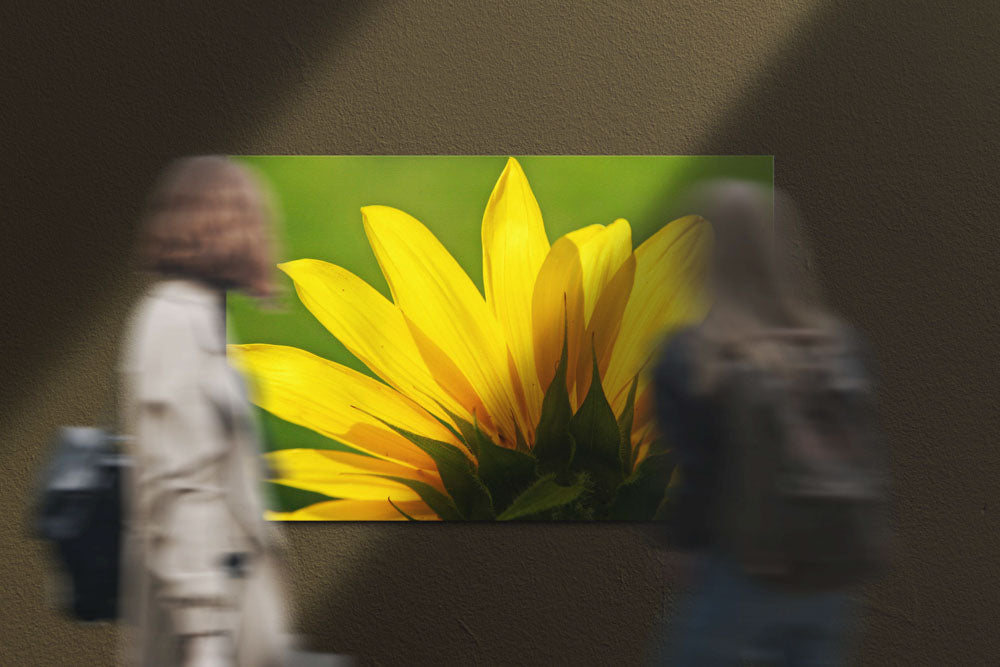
(731, 619)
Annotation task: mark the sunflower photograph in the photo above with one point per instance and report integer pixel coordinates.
(467, 338)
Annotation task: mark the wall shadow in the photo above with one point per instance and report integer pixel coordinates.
(482, 594)
(102, 98)
(880, 117)
(882, 120)
(98, 97)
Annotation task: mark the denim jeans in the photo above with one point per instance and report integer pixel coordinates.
(729, 618)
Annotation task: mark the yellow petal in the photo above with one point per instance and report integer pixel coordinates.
(601, 255)
(438, 297)
(514, 247)
(337, 402)
(346, 475)
(643, 414)
(372, 328)
(557, 306)
(641, 451)
(665, 296)
(450, 378)
(642, 438)
(604, 325)
(578, 270)
(357, 510)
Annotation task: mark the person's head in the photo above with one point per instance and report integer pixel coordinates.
(742, 266)
(209, 219)
(755, 279)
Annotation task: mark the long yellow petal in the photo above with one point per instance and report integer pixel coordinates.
(604, 325)
(372, 328)
(601, 255)
(357, 510)
(514, 247)
(665, 296)
(580, 268)
(641, 451)
(337, 402)
(438, 297)
(346, 475)
(451, 378)
(557, 306)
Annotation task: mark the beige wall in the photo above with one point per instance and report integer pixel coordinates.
(880, 116)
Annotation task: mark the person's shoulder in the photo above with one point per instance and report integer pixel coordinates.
(674, 357)
(852, 337)
(161, 330)
(856, 346)
(159, 316)
(677, 347)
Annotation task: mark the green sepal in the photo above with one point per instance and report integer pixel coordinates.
(505, 472)
(396, 507)
(469, 494)
(625, 420)
(598, 439)
(641, 495)
(667, 506)
(658, 446)
(544, 495)
(466, 432)
(665, 509)
(553, 445)
(439, 503)
(581, 509)
(521, 444)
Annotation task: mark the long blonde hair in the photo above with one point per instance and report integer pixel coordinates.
(758, 280)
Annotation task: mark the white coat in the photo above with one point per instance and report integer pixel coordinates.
(193, 501)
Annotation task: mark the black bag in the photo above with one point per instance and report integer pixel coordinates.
(80, 513)
(804, 493)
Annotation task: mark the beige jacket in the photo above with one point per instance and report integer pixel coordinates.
(193, 498)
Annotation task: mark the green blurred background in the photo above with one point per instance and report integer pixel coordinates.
(318, 199)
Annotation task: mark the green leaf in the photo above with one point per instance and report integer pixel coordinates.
(553, 446)
(437, 501)
(545, 494)
(641, 495)
(471, 498)
(625, 428)
(506, 472)
(598, 439)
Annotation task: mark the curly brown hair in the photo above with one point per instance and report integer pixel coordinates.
(209, 218)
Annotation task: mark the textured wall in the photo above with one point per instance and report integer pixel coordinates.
(882, 117)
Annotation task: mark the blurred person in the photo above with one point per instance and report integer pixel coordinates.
(768, 404)
(199, 580)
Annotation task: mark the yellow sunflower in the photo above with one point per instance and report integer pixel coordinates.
(487, 406)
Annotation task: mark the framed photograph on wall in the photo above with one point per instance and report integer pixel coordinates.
(464, 338)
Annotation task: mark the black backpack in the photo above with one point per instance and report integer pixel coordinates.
(80, 513)
(804, 479)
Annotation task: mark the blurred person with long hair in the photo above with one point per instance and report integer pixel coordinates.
(199, 580)
(757, 283)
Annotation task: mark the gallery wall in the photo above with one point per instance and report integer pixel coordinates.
(882, 120)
